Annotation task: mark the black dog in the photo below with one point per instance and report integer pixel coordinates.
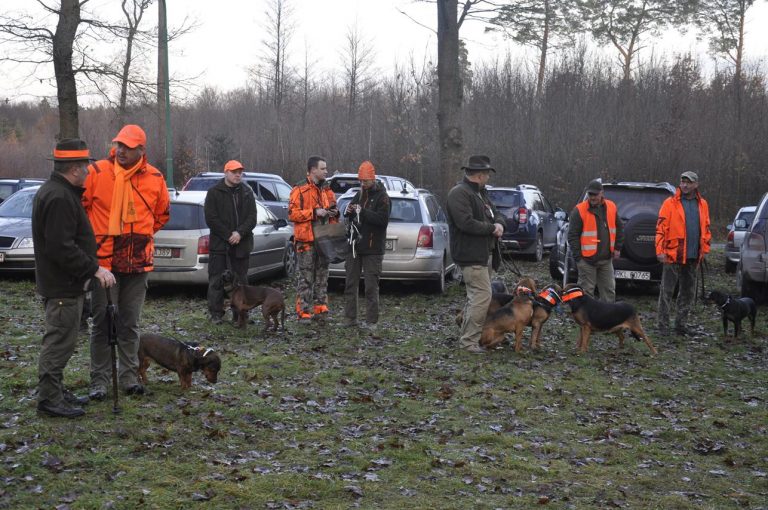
(734, 309)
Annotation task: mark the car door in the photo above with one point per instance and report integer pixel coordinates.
(547, 214)
(268, 242)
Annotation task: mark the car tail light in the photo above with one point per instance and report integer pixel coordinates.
(203, 245)
(425, 237)
(522, 215)
(730, 237)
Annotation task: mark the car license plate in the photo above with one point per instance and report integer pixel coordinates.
(389, 244)
(2, 256)
(632, 275)
(163, 253)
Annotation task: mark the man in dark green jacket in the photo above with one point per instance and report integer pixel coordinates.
(475, 227)
(65, 264)
(230, 212)
(368, 213)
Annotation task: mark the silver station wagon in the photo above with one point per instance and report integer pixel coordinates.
(182, 245)
(417, 245)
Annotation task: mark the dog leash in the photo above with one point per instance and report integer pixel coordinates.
(112, 341)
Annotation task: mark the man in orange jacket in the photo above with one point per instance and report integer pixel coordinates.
(682, 241)
(311, 202)
(127, 201)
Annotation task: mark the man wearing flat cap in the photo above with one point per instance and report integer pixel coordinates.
(475, 228)
(65, 265)
(595, 237)
(127, 201)
(682, 241)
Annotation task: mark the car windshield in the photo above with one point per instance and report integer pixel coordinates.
(342, 184)
(186, 217)
(504, 198)
(18, 205)
(6, 190)
(631, 201)
(200, 184)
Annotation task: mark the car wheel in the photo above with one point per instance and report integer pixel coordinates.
(538, 251)
(438, 286)
(554, 261)
(730, 267)
(289, 260)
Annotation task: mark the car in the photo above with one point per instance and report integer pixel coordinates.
(736, 231)
(270, 189)
(532, 222)
(181, 246)
(752, 268)
(417, 247)
(17, 250)
(638, 206)
(10, 186)
(340, 183)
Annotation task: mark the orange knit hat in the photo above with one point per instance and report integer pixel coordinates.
(366, 171)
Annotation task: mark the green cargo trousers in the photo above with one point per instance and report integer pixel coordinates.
(128, 294)
(477, 281)
(62, 323)
(599, 275)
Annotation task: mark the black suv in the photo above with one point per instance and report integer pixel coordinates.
(638, 204)
(270, 189)
(532, 222)
(10, 186)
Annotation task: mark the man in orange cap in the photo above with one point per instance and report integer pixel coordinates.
(127, 201)
(368, 213)
(230, 212)
(311, 202)
(65, 266)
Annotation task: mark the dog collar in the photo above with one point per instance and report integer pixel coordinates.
(522, 289)
(572, 294)
(206, 352)
(727, 300)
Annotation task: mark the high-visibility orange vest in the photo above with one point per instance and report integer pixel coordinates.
(589, 238)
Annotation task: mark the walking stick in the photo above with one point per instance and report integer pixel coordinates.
(112, 340)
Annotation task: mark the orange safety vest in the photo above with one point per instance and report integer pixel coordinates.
(670, 229)
(589, 238)
(303, 201)
(133, 250)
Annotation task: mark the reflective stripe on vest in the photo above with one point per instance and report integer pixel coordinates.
(589, 238)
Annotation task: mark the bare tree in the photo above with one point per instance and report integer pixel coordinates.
(358, 59)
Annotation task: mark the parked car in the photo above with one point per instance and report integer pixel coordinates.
(736, 232)
(532, 222)
(752, 269)
(181, 246)
(10, 186)
(418, 245)
(270, 189)
(17, 251)
(638, 206)
(340, 183)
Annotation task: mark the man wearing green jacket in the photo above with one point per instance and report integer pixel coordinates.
(475, 228)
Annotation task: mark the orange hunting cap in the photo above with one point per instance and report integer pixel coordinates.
(366, 171)
(232, 165)
(131, 136)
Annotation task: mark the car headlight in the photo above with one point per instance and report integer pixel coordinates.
(26, 242)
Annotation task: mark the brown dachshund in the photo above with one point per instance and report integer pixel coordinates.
(184, 359)
(244, 297)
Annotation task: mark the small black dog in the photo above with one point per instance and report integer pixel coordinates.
(734, 309)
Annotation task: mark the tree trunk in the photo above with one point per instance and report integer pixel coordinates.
(66, 87)
(449, 94)
(162, 59)
(544, 48)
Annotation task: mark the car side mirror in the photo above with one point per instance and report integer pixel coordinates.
(740, 223)
(560, 215)
(280, 223)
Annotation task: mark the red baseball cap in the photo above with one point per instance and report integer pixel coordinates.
(131, 136)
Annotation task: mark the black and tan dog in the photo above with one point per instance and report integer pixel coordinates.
(593, 315)
(734, 310)
(513, 318)
(184, 359)
(244, 297)
(526, 287)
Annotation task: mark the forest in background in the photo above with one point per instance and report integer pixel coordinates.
(587, 123)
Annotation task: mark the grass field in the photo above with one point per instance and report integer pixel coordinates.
(328, 417)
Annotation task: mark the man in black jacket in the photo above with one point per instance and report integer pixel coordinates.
(230, 212)
(65, 264)
(475, 227)
(369, 216)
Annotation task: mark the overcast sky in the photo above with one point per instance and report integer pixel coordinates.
(229, 38)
